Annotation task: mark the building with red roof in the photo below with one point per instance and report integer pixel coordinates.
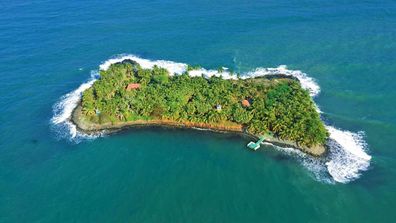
(245, 103)
(132, 86)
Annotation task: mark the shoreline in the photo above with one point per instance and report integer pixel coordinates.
(228, 127)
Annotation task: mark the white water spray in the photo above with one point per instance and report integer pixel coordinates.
(64, 108)
(347, 156)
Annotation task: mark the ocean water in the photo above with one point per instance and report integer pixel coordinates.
(51, 51)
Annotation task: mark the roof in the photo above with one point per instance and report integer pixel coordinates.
(245, 103)
(132, 86)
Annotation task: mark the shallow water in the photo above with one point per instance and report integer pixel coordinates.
(49, 49)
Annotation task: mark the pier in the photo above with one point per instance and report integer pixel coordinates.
(255, 145)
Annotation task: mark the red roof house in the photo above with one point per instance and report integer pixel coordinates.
(132, 86)
(245, 103)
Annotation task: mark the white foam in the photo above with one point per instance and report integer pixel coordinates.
(347, 156)
(346, 160)
(64, 108)
(307, 82)
(172, 67)
(314, 165)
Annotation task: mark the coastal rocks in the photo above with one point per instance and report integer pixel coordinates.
(89, 128)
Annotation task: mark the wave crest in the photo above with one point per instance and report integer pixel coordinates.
(308, 83)
(346, 160)
(347, 155)
(175, 68)
(63, 109)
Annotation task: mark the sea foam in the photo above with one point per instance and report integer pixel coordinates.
(63, 109)
(175, 68)
(346, 160)
(347, 156)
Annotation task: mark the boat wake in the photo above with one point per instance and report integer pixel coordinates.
(347, 156)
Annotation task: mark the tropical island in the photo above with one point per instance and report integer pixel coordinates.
(277, 107)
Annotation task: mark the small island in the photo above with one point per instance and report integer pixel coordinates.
(276, 106)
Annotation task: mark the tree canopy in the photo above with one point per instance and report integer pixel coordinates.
(278, 106)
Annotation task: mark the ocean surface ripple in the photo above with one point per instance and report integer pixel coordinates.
(347, 157)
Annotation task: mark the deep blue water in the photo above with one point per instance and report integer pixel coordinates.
(49, 48)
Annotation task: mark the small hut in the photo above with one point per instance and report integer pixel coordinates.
(132, 86)
(245, 103)
(218, 107)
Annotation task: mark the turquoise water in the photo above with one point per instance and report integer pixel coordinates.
(48, 49)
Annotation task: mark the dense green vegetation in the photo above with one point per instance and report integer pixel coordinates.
(278, 106)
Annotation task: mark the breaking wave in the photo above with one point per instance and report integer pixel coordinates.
(175, 68)
(316, 166)
(346, 159)
(63, 109)
(347, 156)
(306, 82)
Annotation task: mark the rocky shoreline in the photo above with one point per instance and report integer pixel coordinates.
(230, 127)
